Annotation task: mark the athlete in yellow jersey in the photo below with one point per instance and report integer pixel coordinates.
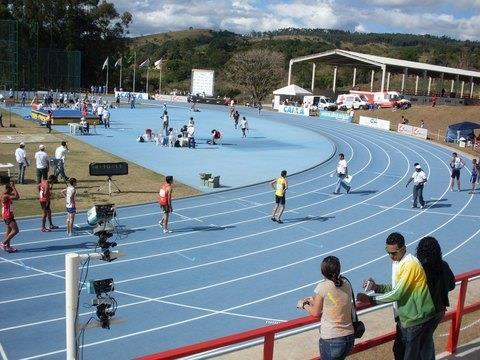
(280, 186)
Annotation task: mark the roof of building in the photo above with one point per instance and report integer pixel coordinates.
(339, 57)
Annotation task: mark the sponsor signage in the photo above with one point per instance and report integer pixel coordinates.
(137, 95)
(294, 110)
(413, 131)
(334, 115)
(173, 98)
(374, 123)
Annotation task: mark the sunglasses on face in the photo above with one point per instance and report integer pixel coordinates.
(393, 253)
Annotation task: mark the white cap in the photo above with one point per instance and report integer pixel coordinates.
(418, 167)
(42, 147)
(22, 144)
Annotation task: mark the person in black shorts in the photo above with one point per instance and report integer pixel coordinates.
(45, 191)
(456, 164)
(280, 185)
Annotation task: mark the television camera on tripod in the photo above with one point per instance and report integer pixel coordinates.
(101, 216)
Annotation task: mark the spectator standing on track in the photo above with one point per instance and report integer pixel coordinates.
(45, 192)
(456, 163)
(106, 117)
(60, 155)
(342, 173)
(69, 194)
(132, 102)
(165, 201)
(333, 301)
(41, 159)
(440, 280)
(21, 157)
(11, 227)
(166, 121)
(236, 117)
(49, 121)
(419, 179)
(474, 177)
(260, 107)
(412, 303)
(244, 127)
(280, 185)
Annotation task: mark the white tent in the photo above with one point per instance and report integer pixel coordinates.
(291, 92)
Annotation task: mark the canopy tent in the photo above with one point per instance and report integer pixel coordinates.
(291, 92)
(464, 129)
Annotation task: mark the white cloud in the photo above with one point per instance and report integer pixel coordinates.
(243, 16)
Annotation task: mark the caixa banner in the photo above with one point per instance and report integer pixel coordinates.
(294, 110)
(128, 94)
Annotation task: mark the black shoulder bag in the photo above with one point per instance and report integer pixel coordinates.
(358, 326)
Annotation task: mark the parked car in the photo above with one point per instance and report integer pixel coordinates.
(320, 103)
(347, 101)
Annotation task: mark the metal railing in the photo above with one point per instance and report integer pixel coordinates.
(268, 333)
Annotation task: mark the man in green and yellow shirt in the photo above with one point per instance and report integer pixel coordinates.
(280, 185)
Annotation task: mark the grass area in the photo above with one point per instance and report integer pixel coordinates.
(436, 120)
(140, 185)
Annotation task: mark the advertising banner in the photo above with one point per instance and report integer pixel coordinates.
(294, 110)
(374, 123)
(202, 82)
(334, 115)
(138, 96)
(413, 131)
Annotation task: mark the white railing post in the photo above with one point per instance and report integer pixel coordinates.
(72, 262)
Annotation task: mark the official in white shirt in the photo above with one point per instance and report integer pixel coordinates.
(419, 178)
(41, 159)
(60, 156)
(21, 157)
(342, 173)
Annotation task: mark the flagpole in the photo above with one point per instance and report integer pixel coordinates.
(134, 65)
(106, 85)
(160, 80)
(121, 66)
(147, 80)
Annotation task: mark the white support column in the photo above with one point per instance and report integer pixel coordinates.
(354, 77)
(313, 76)
(334, 87)
(416, 85)
(451, 87)
(290, 71)
(424, 81)
(461, 89)
(382, 85)
(404, 78)
(388, 81)
(72, 262)
(371, 80)
(429, 85)
(471, 87)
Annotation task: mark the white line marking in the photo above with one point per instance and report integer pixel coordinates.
(2, 352)
(185, 256)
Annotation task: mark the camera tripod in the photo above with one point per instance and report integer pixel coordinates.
(109, 182)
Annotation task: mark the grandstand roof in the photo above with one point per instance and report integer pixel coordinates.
(339, 57)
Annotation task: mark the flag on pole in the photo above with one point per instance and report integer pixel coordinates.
(105, 64)
(158, 64)
(118, 63)
(146, 63)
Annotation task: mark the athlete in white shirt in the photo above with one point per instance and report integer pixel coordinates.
(342, 173)
(69, 194)
(41, 159)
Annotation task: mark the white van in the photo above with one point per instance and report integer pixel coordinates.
(319, 102)
(346, 101)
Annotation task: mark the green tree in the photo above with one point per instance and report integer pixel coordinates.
(257, 71)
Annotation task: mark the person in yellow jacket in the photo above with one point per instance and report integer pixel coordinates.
(280, 185)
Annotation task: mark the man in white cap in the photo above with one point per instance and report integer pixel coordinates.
(419, 178)
(41, 159)
(21, 157)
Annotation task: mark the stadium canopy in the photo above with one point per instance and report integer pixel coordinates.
(386, 65)
(292, 90)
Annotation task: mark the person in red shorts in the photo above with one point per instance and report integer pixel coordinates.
(11, 227)
(45, 192)
(165, 201)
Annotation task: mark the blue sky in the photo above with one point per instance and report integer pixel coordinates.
(458, 19)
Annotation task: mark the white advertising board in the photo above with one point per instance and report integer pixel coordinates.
(294, 110)
(137, 95)
(413, 131)
(202, 82)
(374, 122)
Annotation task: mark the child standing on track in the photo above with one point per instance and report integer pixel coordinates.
(69, 194)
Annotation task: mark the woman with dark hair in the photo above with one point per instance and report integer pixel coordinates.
(440, 280)
(333, 302)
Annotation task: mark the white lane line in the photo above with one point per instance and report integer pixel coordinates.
(463, 243)
(185, 256)
(2, 352)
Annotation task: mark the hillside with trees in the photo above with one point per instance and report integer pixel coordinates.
(215, 50)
